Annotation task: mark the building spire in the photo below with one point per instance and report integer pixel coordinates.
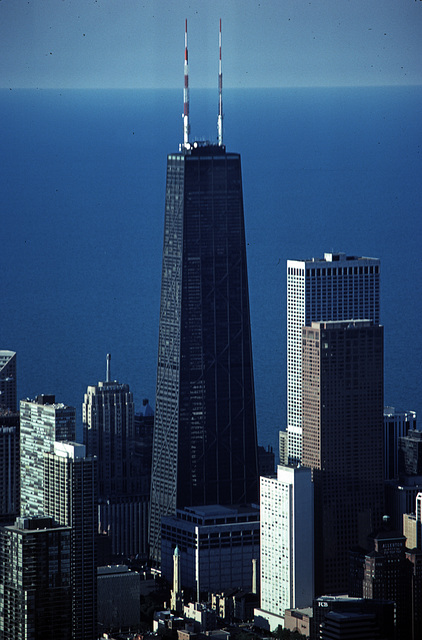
(220, 96)
(108, 368)
(186, 92)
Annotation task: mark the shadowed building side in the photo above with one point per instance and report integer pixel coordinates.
(205, 442)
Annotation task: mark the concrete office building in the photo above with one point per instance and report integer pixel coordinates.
(342, 390)
(336, 287)
(287, 562)
(217, 545)
(42, 422)
(70, 486)
(8, 397)
(35, 580)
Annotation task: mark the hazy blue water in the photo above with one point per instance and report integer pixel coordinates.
(82, 207)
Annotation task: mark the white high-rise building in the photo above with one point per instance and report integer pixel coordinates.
(287, 544)
(42, 422)
(336, 287)
(70, 497)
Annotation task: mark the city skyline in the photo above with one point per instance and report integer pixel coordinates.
(78, 203)
(205, 432)
(108, 45)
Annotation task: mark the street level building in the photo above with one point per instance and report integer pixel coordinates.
(119, 598)
(35, 580)
(341, 617)
(336, 287)
(342, 387)
(42, 422)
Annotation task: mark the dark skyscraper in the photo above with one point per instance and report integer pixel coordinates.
(108, 415)
(205, 443)
(7, 380)
(342, 386)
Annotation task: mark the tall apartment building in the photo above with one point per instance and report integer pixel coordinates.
(336, 287)
(9, 466)
(287, 544)
(205, 439)
(35, 585)
(397, 424)
(8, 380)
(70, 497)
(42, 422)
(342, 387)
(108, 415)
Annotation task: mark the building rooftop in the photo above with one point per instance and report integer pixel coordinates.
(218, 514)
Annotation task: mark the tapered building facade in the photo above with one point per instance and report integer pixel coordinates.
(205, 442)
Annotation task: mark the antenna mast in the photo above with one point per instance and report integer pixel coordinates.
(108, 368)
(186, 92)
(220, 97)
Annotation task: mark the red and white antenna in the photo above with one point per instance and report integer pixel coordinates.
(186, 92)
(220, 97)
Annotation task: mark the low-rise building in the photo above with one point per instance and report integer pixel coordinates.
(118, 593)
(217, 545)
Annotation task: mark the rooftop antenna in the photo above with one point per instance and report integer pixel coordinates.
(186, 93)
(220, 97)
(108, 368)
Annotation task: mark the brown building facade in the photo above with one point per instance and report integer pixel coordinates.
(342, 383)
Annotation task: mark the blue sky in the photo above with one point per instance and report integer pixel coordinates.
(139, 44)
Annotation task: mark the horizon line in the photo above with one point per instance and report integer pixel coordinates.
(196, 89)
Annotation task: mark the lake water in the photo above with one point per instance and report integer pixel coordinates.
(81, 225)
